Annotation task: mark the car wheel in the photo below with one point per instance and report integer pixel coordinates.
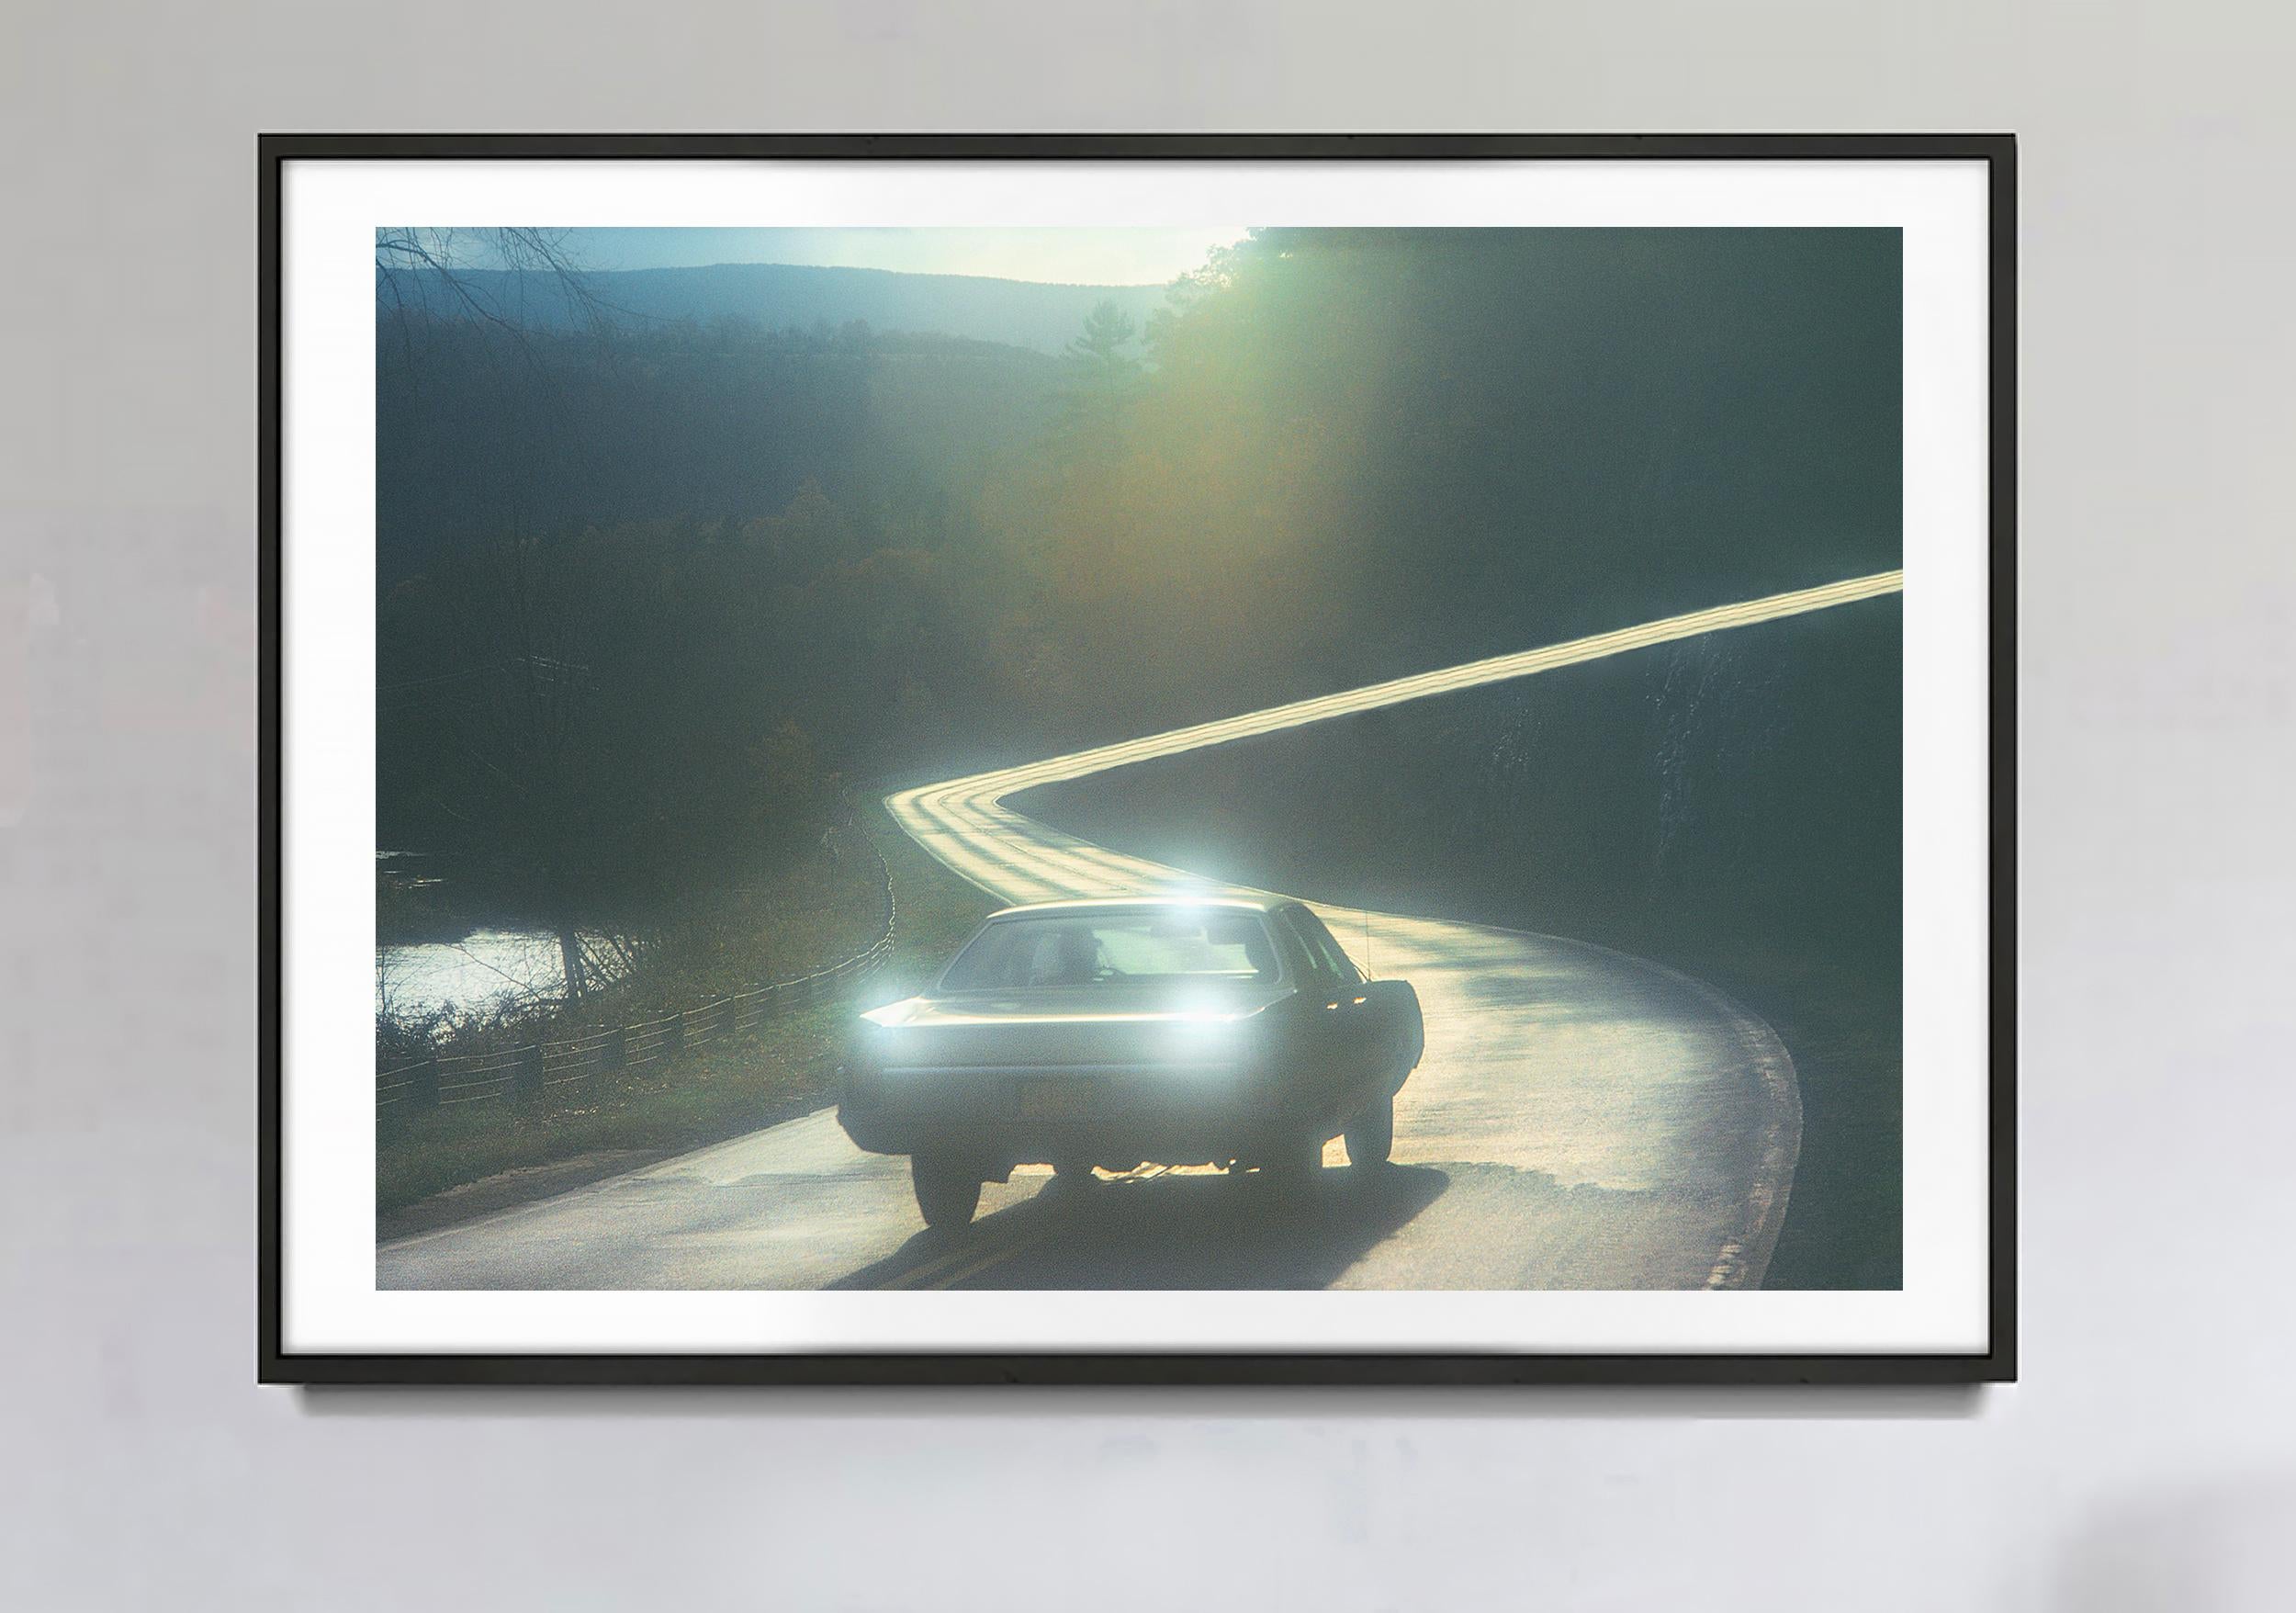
(947, 1192)
(1371, 1135)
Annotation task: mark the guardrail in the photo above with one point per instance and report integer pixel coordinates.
(531, 1071)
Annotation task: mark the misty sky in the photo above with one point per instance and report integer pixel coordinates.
(1075, 256)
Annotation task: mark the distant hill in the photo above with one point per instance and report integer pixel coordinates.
(1020, 313)
(482, 431)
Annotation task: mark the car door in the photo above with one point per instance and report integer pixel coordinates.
(1346, 1041)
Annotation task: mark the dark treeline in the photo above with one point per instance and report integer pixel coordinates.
(484, 432)
(658, 599)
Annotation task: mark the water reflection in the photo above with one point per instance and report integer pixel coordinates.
(419, 979)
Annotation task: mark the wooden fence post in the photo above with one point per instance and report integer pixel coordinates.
(615, 1054)
(527, 1074)
(673, 1041)
(424, 1093)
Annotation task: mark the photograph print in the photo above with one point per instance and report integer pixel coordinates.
(1241, 766)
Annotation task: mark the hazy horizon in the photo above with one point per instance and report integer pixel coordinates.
(1061, 255)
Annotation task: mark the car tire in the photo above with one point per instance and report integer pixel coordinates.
(1371, 1135)
(947, 1192)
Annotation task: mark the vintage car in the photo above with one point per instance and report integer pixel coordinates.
(1179, 1029)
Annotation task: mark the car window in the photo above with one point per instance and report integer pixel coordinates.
(1303, 951)
(1099, 949)
(1329, 962)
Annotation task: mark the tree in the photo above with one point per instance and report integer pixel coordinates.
(510, 280)
(1102, 382)
(1107, 327)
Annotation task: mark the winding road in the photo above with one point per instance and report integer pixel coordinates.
(1581, 1119)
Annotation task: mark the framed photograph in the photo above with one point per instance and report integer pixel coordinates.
(1137, 758)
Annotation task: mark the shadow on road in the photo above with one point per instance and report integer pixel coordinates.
(1172, 1231)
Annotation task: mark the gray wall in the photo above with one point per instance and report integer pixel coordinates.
(2145, 1461)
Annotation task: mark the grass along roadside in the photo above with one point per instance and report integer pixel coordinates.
(1842, 1024)
(466, 1159)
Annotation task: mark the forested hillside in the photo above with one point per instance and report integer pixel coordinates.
(656, 594)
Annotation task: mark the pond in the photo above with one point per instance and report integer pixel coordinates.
(422, 978)
(416, 979)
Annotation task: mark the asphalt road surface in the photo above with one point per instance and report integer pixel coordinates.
(1581, 1119)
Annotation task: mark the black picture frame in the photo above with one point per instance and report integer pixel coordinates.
(1998, 1363)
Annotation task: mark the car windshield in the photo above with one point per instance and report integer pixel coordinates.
(1102, 949)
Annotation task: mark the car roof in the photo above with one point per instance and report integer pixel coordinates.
(1244, 901)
